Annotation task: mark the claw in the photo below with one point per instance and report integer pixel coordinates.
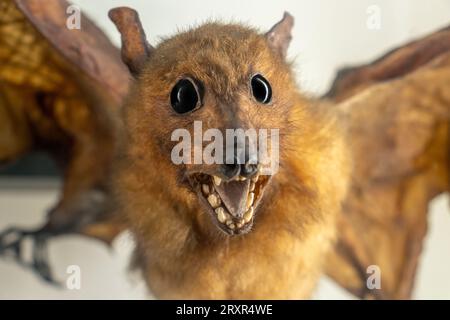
(11, 243)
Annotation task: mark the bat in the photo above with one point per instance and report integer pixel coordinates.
(223, 230)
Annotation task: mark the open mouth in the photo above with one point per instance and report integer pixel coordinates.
(232, 203)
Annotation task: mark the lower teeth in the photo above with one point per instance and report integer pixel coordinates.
(251, 197)
(221, 215)
(248, 215)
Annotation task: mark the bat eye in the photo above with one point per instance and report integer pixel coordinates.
(185, 96)
(261, 90)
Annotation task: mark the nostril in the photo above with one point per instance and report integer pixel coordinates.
(231, 170)
(248, 169)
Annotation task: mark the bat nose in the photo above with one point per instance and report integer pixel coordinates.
(250, 166)
(244, 161)
(232, 170)
(248, 169)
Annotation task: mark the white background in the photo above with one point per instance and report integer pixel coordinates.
(328, 34)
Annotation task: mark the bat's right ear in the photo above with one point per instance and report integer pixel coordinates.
(279, 36)
(135, 48)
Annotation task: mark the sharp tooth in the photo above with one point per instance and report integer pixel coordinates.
(242, 178)
(251, 197)
(255, 178)
(214, 200)
(248, 215)
(205, 189)
(217, 180)
(221, 215)
(252, 186)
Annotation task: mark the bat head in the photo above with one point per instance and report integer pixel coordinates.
(205, 117)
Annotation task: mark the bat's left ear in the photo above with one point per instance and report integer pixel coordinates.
(135, 48)
(279, 36)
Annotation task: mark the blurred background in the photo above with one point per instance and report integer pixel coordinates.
(327, 35)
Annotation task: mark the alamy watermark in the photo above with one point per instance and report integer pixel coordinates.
(374, 279)
(234, 148)
(73, 281)
(373, 21)
(74, 19)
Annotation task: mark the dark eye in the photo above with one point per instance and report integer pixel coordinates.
(261, 89)
(185, 96)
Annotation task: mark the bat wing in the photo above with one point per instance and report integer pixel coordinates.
(398, 112)
(61, 90)
(86, 51)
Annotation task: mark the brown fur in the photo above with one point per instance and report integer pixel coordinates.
(181, 252)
